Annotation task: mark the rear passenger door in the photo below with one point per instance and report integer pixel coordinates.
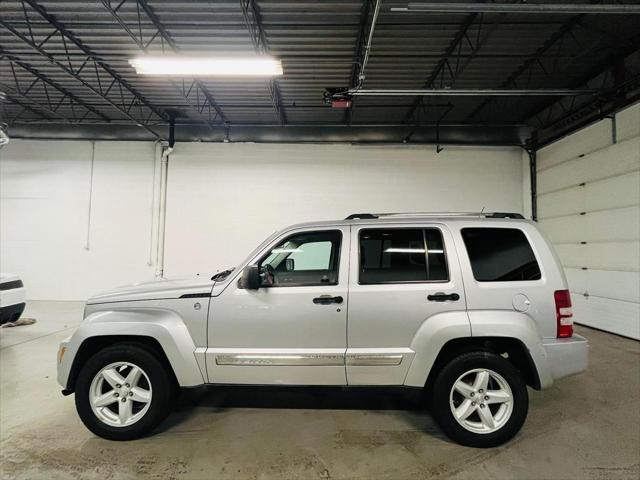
(401, 275)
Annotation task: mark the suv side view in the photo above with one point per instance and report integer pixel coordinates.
(472, 307)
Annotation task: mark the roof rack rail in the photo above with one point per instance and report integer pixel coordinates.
(366, 216)
(504, 215)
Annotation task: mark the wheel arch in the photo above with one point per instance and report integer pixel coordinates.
(512, 349)
(91, 345)
(159, 330)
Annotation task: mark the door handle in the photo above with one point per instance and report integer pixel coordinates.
(327, 300)
(443, 297)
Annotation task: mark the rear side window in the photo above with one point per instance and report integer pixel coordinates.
(500, 255)
(402, 255)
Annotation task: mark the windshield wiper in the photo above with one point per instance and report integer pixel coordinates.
(222, 275)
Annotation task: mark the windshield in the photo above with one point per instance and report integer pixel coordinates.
(221, 276)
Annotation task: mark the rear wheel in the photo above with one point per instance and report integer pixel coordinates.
(123, 392)
(480, 399)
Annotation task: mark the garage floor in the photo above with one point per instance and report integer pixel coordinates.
(584, 427)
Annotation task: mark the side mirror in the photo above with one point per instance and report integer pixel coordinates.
(289, 264)
(251, 277)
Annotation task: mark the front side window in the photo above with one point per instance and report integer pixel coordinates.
(500, 255)
(402, 255)
(303, 259)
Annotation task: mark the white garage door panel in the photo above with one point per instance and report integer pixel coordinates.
(623, 256)
(628, 122)
(611, 315)
(620, 158)
(584, 141)
(614, 192)
(623, 286)
(563, 229)
(618, 191)
(561, 202)
(577, 279)
(608, 225)
(587, 172)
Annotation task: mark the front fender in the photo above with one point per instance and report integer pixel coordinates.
(165, 326)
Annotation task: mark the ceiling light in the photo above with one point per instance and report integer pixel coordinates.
(207, 66)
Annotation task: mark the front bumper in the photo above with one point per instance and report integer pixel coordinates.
(566, 356)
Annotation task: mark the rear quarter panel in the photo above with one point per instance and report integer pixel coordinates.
(502, 296)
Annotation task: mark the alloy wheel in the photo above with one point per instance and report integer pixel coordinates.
(481, 401)
(120, 394)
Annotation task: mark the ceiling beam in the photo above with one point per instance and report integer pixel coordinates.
(66, 97)
(25, 103)
(439, 68)
(253, 21)
(520, 8)
(603, 77)
(530, 63)
(451, 134)
(111, 87)
(618, 81)
(474, 92)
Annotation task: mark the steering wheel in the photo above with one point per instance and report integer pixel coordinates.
(268, 274)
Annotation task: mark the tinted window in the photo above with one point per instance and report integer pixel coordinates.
(399, 255)
(309, 258)
(500, 255)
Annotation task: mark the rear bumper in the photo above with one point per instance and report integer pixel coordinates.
(566, 356)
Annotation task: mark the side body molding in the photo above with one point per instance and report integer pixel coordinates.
(503, 323)
(163, 325)
(429, 340)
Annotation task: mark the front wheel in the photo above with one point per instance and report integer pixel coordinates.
(123, 392)
(480, 400)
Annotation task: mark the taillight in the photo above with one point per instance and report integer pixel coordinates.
(564, 313)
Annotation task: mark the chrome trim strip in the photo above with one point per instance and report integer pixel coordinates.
(270, 360)
(374, 360)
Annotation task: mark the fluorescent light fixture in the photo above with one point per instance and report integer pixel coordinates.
(174, 65)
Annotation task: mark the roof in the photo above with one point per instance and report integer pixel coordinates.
(414, 218)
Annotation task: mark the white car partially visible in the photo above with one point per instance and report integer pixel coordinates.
(12, 297)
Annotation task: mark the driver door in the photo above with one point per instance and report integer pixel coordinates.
(292, 330)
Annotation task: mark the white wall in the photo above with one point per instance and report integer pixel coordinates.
(45, 234)
(222, 200)
(589, 206)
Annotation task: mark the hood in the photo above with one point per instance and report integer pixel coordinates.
(163, 288)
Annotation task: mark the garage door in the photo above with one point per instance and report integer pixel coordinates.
(589, 206)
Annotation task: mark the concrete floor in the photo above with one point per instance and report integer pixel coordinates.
(585, 427)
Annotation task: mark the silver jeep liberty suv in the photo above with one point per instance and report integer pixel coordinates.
(472, 307)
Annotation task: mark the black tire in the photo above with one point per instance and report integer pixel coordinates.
(441, 399)
(159, 378)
